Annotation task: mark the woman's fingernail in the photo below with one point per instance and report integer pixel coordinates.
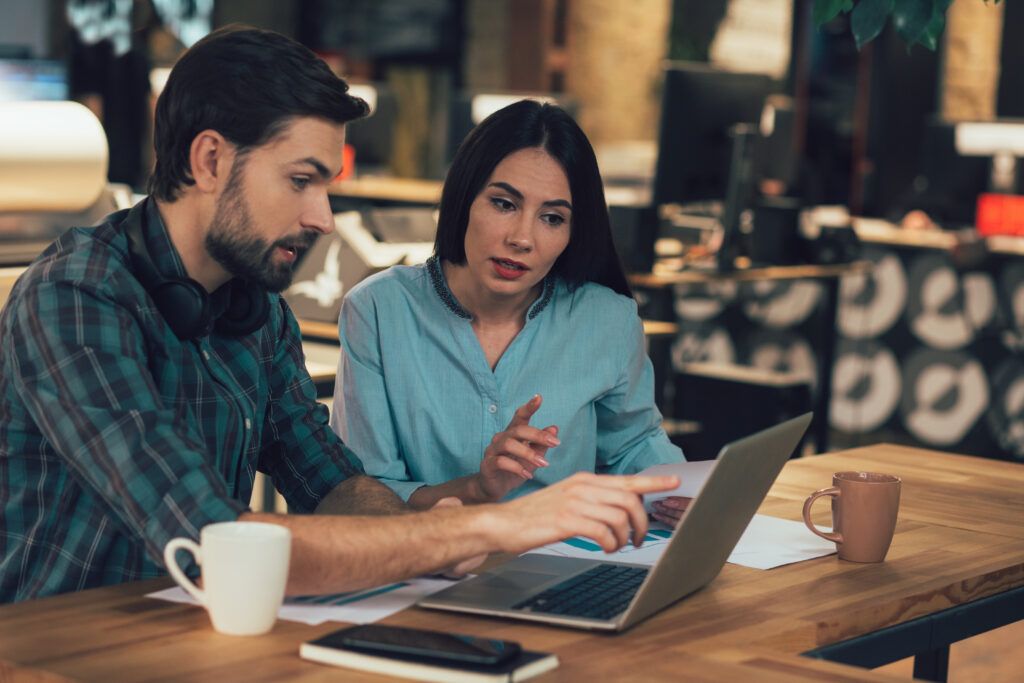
(552, 441)
(542, 462)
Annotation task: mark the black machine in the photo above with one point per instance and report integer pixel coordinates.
(372, 137)
(949, 182)
(699, 106)
(722, 133)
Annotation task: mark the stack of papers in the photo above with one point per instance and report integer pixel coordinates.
(768, 541)
(692, 476)
(360, 607)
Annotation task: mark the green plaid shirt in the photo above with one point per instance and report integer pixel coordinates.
(116, 436)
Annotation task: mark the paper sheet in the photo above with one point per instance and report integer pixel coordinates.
(768, 542)
(692, 476)
(361, 607)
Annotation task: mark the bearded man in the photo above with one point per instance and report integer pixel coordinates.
(150, 367)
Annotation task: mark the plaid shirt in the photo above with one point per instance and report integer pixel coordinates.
(116, 436)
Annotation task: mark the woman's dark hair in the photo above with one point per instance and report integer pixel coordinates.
(590, 255)
(246, 84)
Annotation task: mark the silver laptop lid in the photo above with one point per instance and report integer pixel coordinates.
(717, 517)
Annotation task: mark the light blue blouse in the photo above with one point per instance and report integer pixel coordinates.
(418, 403)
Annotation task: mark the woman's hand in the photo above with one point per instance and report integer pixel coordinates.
(670, 510)
(515, 453)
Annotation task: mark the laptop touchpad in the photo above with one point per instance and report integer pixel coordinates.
(498, 590)
(513, 580)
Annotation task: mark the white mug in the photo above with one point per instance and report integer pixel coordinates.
(244, 567)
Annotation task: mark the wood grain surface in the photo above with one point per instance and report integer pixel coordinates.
(958, 539)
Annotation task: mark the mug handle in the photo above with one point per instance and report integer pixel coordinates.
(832, 491)
(191, 546)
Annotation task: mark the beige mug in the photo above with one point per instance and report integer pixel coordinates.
(864, 509)
(244, 567)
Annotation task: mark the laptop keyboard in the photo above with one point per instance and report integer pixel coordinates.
(601, 592)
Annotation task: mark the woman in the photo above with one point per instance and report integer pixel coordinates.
(523, 315)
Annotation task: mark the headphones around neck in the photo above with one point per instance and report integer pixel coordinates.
(185, 304)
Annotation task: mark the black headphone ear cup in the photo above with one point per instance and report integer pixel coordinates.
(185, 306)
(249, 311)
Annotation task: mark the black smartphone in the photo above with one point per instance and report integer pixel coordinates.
(421, 644)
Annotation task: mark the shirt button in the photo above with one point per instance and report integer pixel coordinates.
(248, 423)
(492, 408)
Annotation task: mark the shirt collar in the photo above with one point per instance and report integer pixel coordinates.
(452, 304)
(161, 249)
(167, 260)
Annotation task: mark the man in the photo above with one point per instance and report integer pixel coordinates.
(150, 367)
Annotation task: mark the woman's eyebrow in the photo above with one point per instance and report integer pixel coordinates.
(558, 202)
(519, 195)
(508, 188)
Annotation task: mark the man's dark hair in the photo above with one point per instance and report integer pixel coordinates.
(590, 255)
(246, 84)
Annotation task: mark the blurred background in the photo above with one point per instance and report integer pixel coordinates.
(734, 137)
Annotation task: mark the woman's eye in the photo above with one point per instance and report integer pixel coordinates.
(502, 204)
(553, 219)
(300, 182)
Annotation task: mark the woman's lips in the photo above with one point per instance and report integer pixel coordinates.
(508, 269)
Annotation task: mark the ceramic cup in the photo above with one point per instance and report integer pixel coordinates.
(864, 509)
(244, 567)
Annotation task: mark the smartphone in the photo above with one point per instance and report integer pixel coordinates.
(414, 643)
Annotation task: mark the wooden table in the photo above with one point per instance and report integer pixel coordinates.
(957, 557)
(664, 277)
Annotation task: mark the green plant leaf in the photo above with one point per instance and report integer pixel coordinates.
(868, 19)
(911, 18)
(930, 36)
(827, 10)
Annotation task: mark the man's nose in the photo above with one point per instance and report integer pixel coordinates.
(319, 217)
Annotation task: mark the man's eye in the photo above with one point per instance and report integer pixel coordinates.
(502, 204)
(300, 182)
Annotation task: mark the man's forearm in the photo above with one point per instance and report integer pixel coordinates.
(332, 553)
(361, 496)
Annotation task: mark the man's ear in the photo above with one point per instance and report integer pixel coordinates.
(210, 158)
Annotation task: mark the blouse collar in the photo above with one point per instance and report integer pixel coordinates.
(452, 304)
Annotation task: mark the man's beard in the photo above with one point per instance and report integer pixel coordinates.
(232, 240)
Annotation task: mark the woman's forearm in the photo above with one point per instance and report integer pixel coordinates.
(467, 489)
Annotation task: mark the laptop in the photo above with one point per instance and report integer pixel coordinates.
(613, 596)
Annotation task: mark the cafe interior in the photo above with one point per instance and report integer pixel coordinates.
(819, 205)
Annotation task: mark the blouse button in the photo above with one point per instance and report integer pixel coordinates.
(492, 408)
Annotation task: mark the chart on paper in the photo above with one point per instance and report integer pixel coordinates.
(648, 553)
(768, 542)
